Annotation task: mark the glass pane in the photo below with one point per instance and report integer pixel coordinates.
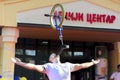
(78, 44)
(55, 43)
(66, 54)
(19, 51)
(78, 53)
(42, 51)
(43, 43)
(30, 52)
(30, 60)
(20, 41)
(30, 41)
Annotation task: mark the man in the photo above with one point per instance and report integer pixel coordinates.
(116, 74)
(55, 70)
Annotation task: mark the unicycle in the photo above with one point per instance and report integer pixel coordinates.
(57, 16)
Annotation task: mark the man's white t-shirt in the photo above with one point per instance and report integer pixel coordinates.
(115, 76)
(59, 71)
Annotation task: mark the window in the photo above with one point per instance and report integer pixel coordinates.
(30, 60)
(19, 51)
(30, 52)
(76, 53)
(66, 54)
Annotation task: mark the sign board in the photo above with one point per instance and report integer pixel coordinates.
(81, 14)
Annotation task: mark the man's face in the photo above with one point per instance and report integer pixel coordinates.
(52, 57)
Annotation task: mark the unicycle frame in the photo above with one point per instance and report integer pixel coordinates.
(59, 30)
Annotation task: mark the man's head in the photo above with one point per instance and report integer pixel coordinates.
(118, 67)
(54, 58)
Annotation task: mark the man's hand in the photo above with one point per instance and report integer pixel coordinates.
(95, 61)
(15, 60)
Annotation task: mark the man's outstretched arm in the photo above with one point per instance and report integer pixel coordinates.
(85, 65)
(29, 66)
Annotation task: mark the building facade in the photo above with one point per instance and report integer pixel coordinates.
(92, 31)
